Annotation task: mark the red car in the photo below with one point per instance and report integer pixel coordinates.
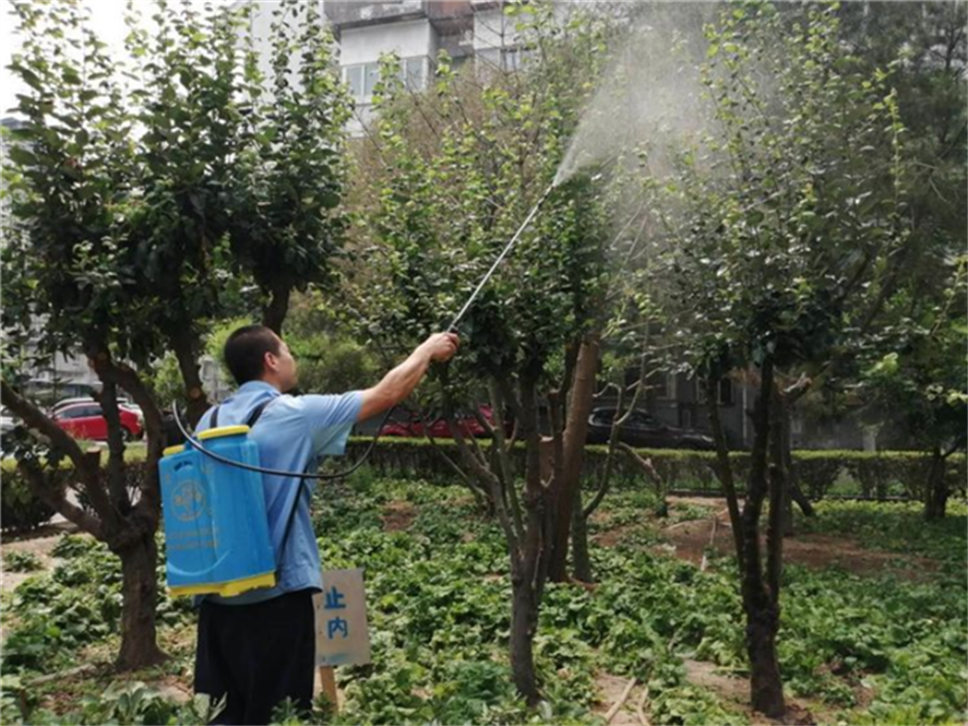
(86, 421)
(439, 427)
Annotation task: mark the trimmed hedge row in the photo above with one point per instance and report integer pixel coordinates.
(21, 511)
(875, 475)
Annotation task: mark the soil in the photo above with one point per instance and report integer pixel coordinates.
(398, 516)
(817, 551)
(610, 689)
(40, 542)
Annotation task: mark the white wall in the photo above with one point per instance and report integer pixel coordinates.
(407, 39)
(261, 29)
(492, 29)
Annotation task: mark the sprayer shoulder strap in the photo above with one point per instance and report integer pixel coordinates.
(250, 422)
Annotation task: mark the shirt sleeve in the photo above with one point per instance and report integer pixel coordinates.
(330, 419)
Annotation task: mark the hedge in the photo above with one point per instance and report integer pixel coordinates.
(875, 475)
(21, 511)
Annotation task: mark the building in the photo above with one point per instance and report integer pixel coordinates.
(416, 31)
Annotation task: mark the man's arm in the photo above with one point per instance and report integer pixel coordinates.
(400, 382)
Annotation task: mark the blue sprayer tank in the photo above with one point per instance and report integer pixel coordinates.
(216, 528)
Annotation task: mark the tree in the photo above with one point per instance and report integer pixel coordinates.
(291, 167)
(120, 246)
(446, 179)
(921, 380)
(783, 225)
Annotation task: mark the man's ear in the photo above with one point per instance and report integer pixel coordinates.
(268, 361)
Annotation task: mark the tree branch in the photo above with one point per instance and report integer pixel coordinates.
(37, 420)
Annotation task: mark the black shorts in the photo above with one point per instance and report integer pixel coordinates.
(257, 655)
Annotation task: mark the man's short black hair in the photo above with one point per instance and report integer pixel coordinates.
(246, 349)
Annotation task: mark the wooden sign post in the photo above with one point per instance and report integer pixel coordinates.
(342, 637)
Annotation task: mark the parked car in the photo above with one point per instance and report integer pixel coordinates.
(8, 422)
(123, 403)
(643, 429)
(413, 425)
(86, 421)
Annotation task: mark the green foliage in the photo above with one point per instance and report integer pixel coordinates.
(126, 703)
(868, 474)
(921, 378)
(20, 509)
(330, 358)
(146, 191)
(898, 527)
(437, 589)
(79, 602)
(447, 180)
(776, 228)
(21, 561)
(287, 181)
(133, 242)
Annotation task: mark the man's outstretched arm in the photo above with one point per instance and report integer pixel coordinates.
(400, 382)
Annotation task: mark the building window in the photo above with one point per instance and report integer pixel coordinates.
(353, 77)
(516, 59)
(671, 390)
(685, 416)
(371, 76)
(724, 390)
(505, 59)
(489, 58)
(414, 73)
(362, 78)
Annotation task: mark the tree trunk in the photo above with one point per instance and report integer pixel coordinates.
(781, 430)
(793, 493)
(580, 561)
(524, 622)
(580, 403)
(761, 598)
(274, 314)
(936, 491)
(139, 588)
(766, 688)
(529, 571)
(724, 470)
(186, 349)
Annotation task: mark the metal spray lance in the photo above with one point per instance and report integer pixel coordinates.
(450, 328)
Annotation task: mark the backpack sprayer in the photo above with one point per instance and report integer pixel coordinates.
(216, 528)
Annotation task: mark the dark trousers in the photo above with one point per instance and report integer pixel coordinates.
(257, 655)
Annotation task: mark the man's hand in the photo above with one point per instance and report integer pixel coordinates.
(441, 347)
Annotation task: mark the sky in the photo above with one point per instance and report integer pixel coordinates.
(107, 20)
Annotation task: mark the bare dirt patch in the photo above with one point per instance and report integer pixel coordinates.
(735, 690)
(398, 516)
(817, 551)
(40, 543)
(610, 689)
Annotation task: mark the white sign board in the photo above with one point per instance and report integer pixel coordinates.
(342, 637)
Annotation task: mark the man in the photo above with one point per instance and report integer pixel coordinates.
(258, 648)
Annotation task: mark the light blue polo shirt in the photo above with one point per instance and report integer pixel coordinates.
(293, 434)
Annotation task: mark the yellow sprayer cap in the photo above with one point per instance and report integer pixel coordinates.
(222, 431)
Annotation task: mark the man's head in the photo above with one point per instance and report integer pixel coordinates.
(256, 353)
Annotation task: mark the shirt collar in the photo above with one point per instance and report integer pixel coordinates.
(257, 386)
